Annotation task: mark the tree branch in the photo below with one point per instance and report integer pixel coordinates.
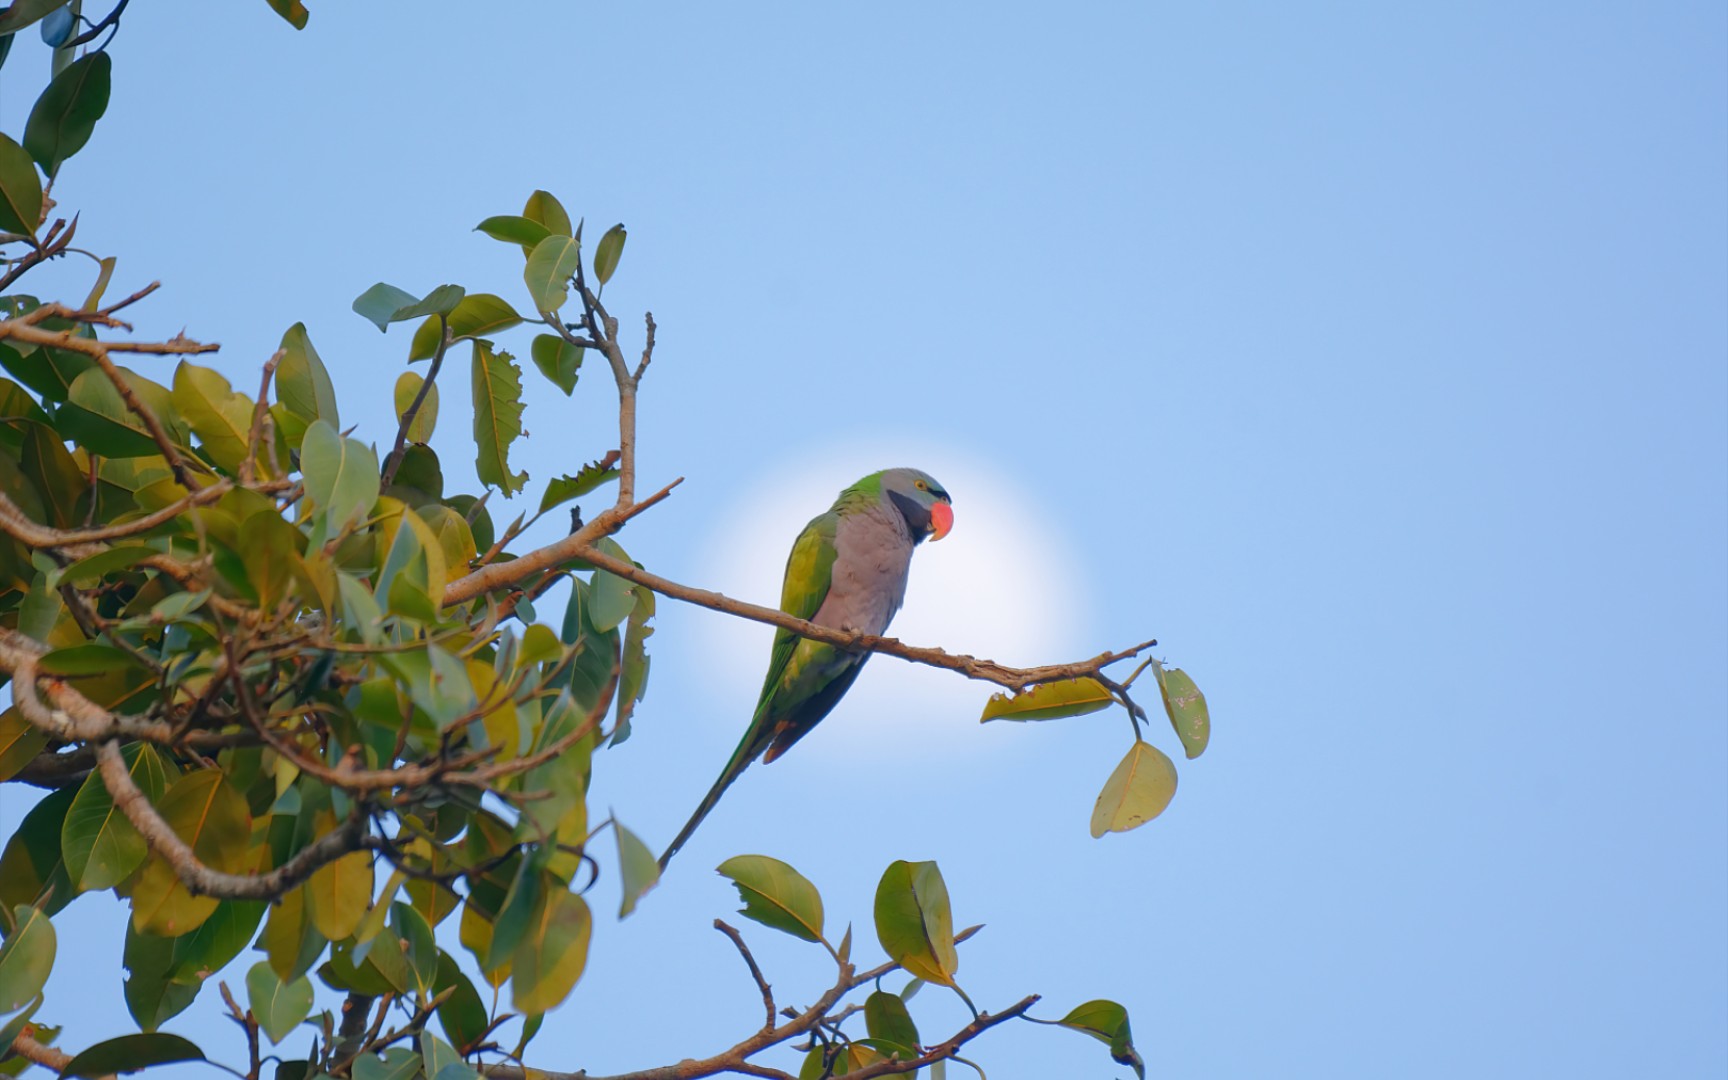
(972, 667)
(755, 972)
(199, 879)
(506, 574)
(394, 461)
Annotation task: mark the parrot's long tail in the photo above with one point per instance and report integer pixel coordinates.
(741, 758)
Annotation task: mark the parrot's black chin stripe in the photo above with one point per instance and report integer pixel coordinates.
(917, 516)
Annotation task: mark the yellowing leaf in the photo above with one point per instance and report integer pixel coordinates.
(1049, 701)
(426, 417)
(1138, 791)
(552, 954)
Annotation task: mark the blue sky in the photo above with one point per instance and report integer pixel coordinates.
(1374, 359)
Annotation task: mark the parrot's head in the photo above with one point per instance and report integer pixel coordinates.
(921, 501)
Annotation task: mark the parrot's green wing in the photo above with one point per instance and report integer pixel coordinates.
(809, 571)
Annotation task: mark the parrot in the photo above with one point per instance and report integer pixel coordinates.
(847, 571)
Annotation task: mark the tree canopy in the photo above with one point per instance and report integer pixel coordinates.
(286, 691)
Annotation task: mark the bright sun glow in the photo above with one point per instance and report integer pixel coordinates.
(998, 586)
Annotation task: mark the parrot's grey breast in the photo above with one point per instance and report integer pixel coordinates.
(872, 554)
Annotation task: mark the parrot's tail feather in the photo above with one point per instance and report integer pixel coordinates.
(741, 758)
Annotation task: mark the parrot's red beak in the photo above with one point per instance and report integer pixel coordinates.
(941, 520)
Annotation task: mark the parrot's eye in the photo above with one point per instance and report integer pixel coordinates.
(921, 485)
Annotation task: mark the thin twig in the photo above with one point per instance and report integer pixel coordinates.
(397, 452)
(255, 436)
(755, 972)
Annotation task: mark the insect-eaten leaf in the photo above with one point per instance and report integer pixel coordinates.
(497, 389)
(914, 922)
(776, 895)
(589, 477)
(1049, 701)
(1138, 790)
(1107, 1022)
(1185, 705)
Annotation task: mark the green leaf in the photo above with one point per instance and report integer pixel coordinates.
(385, 304)
(290, 941)
(606, 253)
(407, 388)
(611, 598)
(557, 359)
(20, 189)
(1049, 701)
(1185, 705)
(1139, 789)
(279, 1006)
(96, 417)
(553, 954)
(292, 10)
(208, 949)
(913, 921)
(497, 389)
(66, 113)
(633, 676)
(887, 1020)
(22, 13)
(341, 475)
(152, 997)
(398, 1063)
(303, 384)
(26, 958)
(14, 1027)
(478, 315)
(57, 477)
(513, 230)
(463, 1014)
(776, 895)
(21, 741)
(88, 571)
(1107, 1022)
(271, 549)
(380, 303)
(437, 1055)
(90, 658)
(31, 867)
(550, 267)
(544, 208)
(588, 478)
(129, 1053)
(49, 372)
(636, 866)
(100, 845)
(221, 418)
(420, 950)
